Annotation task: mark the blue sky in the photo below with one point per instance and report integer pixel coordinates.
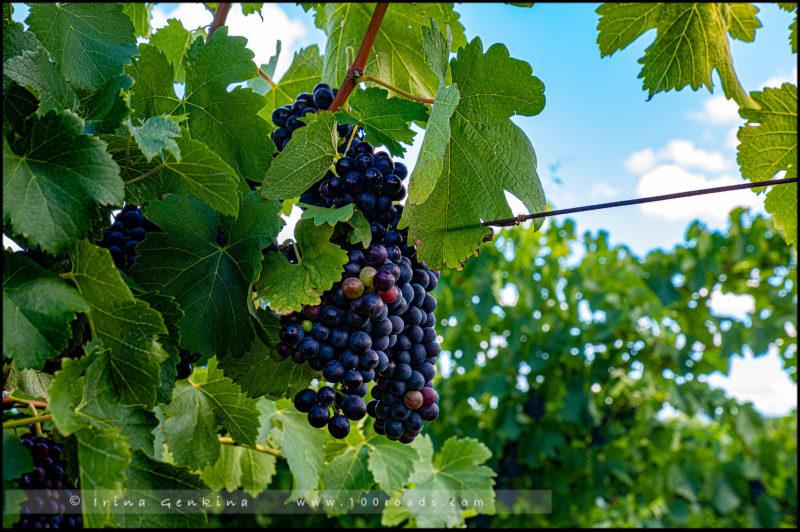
(598, 139)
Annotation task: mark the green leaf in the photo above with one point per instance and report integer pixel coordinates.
(139, 13)
(437, 135)
(66, 396)
(305, 159)
(16, 40)
(174, 40)
(691, 41)
(103, 457)
(248, 8)
(127, 326)
(156, 135)
(384, 120)
(171, 313)
(362, 232)
(153, 93)
(191, 426)
(49, 192)
(258, 374)
(437, 50)
(226, 472)
(28, 383)
(108, 107)
(13, 497)
(16, 458)
(724, 499)
(345, 478)
(396, 56)
(35, 69)
(211, 284)
(301, 444)
(257, 470)
(325, 215)
(456, 473)
(37, 309)
(289, 286)
(768, 145)
(149, 480)
(391, 464)
(304, 72)
(486, 155)
(91, 42)
(269, 68)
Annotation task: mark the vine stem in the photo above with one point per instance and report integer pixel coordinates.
(350, 140)
(220, 16)
(360, 62)
(264, 75)
(260, 448)
(37, 427)
(27, 421)
(148, 174)
(395, 89)
(40, 404)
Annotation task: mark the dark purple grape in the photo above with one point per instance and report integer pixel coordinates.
(280, 115)
(345, 165)
(394, 429)
(305, 399)
(339, 426)
(400, 170)
(333, 371)
(291, 335)
(318, 416)
(353, 407)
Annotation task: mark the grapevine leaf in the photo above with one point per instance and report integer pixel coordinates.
(34, 68)
(303, 73)
(248, 8)
(171, 313)
(257, 470)
(49, 192)
(289, 286)
(269, 68)
(103, 457)
(90, 42)
(258, 374)
(362, 232)
(210, 283)
(236, 413)
(108, 107)
(781, 202)
(28, 383)
(12, 500)
(149, 480)
(437, 50)
(391, 464)
(139, 13)
(153, 93)
(396, 56)
(66, 395)
(226, 472)
(344, 477)
(16, 458)
(126, 326)
(37, 308)
(304, 160)
(155, 135)
(456, 473)
(437, 135)
(16, 40)
(173, 39)
(301, 444)
(325, 215)
(385, 120)
(486, 155)
(191, 427)
(691, 41)
(768, 145)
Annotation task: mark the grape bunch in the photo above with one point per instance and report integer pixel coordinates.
(46, 506)
(377, 322)
(286, 117)
(129, 228)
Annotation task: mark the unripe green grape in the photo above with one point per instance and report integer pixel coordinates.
(366, 275)
(307, 325)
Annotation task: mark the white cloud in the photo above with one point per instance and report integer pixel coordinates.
(761, 380)
(684, 153)
(737, 306)
(603, 190)
(717, 110)
(731, 140)
(641, 161)
(778, 80)
(261, 35)
(670, 178)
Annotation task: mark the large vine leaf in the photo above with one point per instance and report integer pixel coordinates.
(37, 308)
(108, 107)
(103, 457)
(139, 13)
(258, 374)
(89, 41)
(16, 458)
(16, 40)
(486, 155)
(127, 326)
(396, 56)
(289, 286)
(346, 476)
(210, 283)
(305, 159)
(174, 40)
(301, 444)
(226, 122)
(391, 463)
(171, 314)
(50, 190)
(768, 145)
(691, 41)
(226, 472)
(385, 120)
(242, 467)
(304, 72)
(34, 68)
(155, 135)
(151, 481)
